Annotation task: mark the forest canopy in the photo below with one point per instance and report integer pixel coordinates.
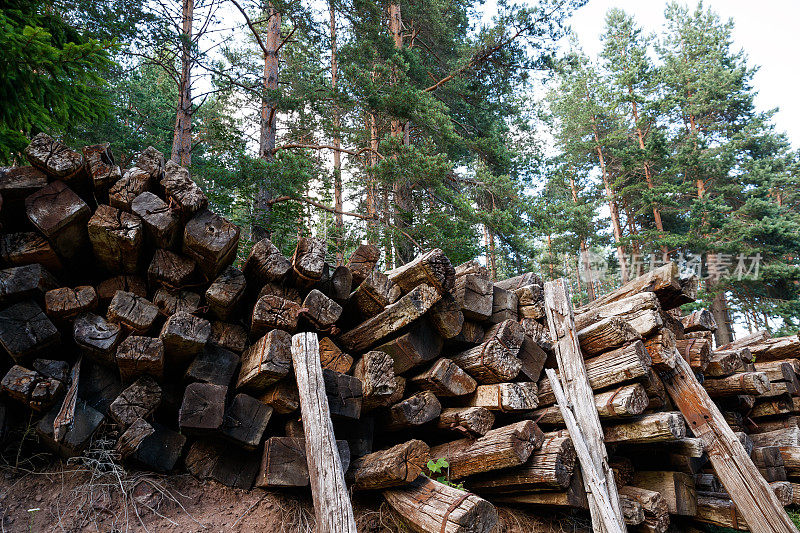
(418, 125)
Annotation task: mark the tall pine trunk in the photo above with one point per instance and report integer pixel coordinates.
(402, 208)
(584, 248)
(268, 127)
(182, 134)
(337, 141)
(612, 204)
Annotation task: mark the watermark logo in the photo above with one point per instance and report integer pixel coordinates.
(712, 267)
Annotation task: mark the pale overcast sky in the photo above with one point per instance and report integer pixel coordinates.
(766, 30)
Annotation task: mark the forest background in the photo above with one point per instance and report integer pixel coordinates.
(483, 130)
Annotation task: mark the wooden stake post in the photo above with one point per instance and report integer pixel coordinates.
(332, 505)
(752, 495)
(578, 392)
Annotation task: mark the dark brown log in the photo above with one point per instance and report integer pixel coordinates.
(421, 344)
(182, 191)
(495, 360)
(61, 216)
(132, 311)
(26, 248)
(97, 338)
(375, 369)
(548, 468)
(431, 268)
(211, 241)
(427, 505)
(780, 437)
(266, 263)
(661, 349)
(345, 394)
(31, 388)
(86, 422)
(528, 278)
(282, 396)
(53, 157)
(504, 306)
(246, 421)
(625, 401)
(16, 184)
(446, 316)
(98, 385)
(362, 262)
(337, 283)
(184, 336)
(604, 335)
(762, 426)
(206, 460)
(395, 317)
(538, 333)
(134, 182)
(26, 331)
(266, 362)
(224, 295)
(416, 410)
(108, 288)
(140, 400)
(213, 365)
(281, 290)
(396, 466)
(755, 383)
(472, 267)
(159, 222)
(308, 261)
(232, 337)
(532, 358)
(700, 320)
(373, 295)
(656, 514)
(696, 352)
(171, 270)
(475, 294)
(28, 282)
(445, 378)
(574, 497)
(171, 301)
(139, 356)
(151, 445)
(471, 334)
(320, 310)
(505, 397)
(284, 463)
(273, 312)
(117, 239)
(203, 408)
(503, 447)
(774, 406)
(52, 369)
(779, 370)
(332, 358)
(66, 302)
(359, 434)
(470, 420)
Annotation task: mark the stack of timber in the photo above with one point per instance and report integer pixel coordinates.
(124, 309)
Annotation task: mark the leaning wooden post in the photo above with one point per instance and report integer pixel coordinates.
(332, 505)
(591, 477)
(561, 321)
(752, 495)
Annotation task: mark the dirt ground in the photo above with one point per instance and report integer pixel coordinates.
(62, 497)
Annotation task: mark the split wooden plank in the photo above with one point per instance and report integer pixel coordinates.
(396, 466)
(626, 401)
(332, 505)
(606, 512)
(753, 496)
(431, 268)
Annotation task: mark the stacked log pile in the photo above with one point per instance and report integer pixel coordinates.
(122, 310)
